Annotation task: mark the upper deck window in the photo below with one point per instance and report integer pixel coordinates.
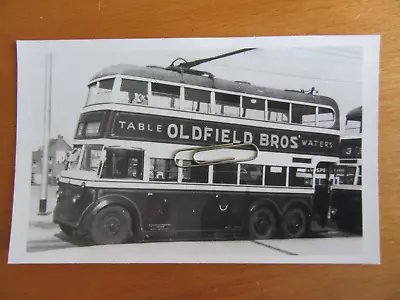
(100, 91)
(197, 100)
(303, 114)
(227, 104)
(253, 108)
(133, 92)
(278, 111)
(326, 117)
(165, 96)
(353, 126)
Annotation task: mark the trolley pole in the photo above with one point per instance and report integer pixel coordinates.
(46, 137)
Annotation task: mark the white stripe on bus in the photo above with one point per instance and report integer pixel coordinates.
(188, 115)
(347, 187)
(156, 186)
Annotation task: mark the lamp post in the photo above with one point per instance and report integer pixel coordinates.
(46, 137)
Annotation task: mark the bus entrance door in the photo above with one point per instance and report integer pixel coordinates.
(322, 193)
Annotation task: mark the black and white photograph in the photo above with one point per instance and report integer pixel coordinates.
(217, 150)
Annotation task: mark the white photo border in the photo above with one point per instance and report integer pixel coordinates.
(27, 50)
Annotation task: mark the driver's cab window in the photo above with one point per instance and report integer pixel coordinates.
(123, 163)
(91, 158)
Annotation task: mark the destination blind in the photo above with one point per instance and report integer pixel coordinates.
(351, 148)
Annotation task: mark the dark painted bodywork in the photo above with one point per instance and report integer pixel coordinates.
(348, 206)
(174, 213)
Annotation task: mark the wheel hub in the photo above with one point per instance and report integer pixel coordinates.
(112, 225)
(262, 225)
(294, 223)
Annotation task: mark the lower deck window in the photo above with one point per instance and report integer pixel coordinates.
(359, 179)
(163, 170)
(251, 174)
(275, 175)
(225, 173)
(301, 177)
(122, 163)
(194, 174)
(345, 174)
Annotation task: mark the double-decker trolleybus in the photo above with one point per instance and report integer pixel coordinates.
(346, 203)
(122, 183)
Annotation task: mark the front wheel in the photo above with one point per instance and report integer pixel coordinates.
(112, 225)
(294, 223)
(262, 224)
(67, 230)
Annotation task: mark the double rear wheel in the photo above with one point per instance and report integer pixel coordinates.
(265, 224)
(294, 223)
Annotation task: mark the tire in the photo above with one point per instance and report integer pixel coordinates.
(262, 224)
(67, 230)
(111, 225)
(294, 223)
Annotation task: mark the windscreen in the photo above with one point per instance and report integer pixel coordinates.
(91, 157)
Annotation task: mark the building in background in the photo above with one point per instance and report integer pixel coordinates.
(59, 151)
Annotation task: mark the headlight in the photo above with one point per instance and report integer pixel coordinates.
(58, 194)
(76, 198)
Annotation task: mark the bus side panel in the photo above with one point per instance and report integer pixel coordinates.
(175, 212)
(348, 205)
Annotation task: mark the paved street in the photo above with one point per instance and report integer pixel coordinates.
(45, 238)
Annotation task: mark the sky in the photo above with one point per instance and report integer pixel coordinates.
(334, 72)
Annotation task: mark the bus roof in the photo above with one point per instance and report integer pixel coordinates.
(159, 73)
(355, 114)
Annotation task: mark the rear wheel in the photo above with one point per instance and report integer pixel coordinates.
(262, 224)
(294, 223)
(112, 225)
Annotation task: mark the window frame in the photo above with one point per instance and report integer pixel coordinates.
(124, 176)
(153, 169)
(212, 105)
